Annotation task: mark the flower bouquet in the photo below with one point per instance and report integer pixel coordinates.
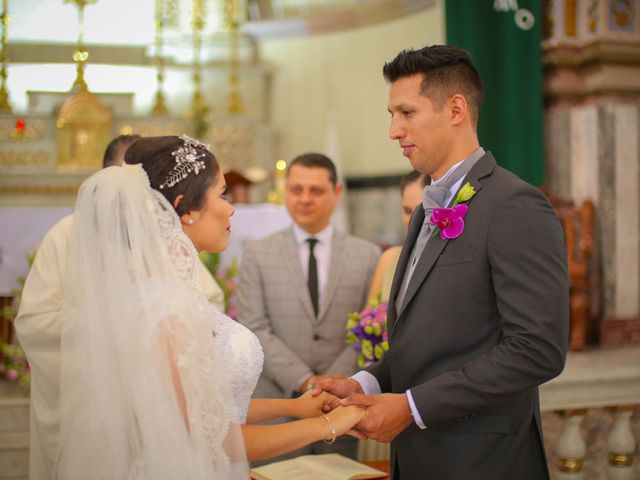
(226, 280)
(13, 364)
(367, 333)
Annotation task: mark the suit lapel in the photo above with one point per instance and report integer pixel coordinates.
(415, 225)
(435, 246)
(291, 259)
(338, 260)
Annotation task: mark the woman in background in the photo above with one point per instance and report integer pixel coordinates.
(411, 187)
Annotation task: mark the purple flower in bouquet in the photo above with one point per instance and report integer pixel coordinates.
(367, 333)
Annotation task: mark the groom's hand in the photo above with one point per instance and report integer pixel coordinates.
(386, 416)
(341, 387)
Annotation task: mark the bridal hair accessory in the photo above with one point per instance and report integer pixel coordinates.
(187, 161)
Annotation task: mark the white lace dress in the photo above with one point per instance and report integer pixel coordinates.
(241, 349)
(245, 355)
(229, 371)
(155, 381)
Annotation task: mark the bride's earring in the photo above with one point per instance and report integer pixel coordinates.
(190, 221)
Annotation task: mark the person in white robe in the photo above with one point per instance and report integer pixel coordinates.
(38, 329)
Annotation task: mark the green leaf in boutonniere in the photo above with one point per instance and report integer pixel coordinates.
(449, 221)
(465, 193)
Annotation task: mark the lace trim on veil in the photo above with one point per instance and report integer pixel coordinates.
(211, 400)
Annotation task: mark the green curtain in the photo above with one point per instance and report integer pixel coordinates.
(503, 37)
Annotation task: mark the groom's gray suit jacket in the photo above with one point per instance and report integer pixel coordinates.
(274, 302)
(483, 323)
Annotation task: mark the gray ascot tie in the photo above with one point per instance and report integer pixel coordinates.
(433, 197)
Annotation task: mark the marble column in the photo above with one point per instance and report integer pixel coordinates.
(592, 143)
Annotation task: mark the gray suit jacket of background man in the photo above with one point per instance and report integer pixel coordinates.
(483, 323)
(274, 302)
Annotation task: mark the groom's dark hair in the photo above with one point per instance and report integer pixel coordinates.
(155, 155)
(445, 71)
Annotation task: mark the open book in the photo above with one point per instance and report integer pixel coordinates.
(331, 466)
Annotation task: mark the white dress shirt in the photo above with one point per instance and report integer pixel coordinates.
(322, 252)
(367, 381)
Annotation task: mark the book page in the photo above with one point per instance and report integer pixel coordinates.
(330, 466)
(290, 470)
(340, 467)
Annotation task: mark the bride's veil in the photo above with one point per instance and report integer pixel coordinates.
(143, 390)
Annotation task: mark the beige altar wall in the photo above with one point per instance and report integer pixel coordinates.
(341, 72)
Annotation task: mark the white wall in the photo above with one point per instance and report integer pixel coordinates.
(342, 71)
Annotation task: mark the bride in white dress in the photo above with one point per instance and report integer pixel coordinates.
(156, 383)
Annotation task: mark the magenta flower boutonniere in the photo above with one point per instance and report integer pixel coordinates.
(450, 221)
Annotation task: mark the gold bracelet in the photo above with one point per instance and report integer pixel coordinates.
(333, 431)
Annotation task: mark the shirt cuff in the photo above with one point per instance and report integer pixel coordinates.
(414, 411)
(303, 379)
(368, 382)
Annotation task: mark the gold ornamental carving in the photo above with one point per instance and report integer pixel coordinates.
(33, 129)
(14, 158)
(84, 130)
(38, 190)
(592, 15)
(570, 18)
(159, 105)
(5, 104)
(620, 460)
(570, 465)
(234, 144)
(622, 13)
(81, 55)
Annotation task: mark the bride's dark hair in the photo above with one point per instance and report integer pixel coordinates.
(154, 153)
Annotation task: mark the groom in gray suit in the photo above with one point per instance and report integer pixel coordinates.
(297, 286)
(478, 312)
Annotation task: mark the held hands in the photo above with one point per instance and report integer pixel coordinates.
(312, 381)
(342, 420)
(387, 414)
(340, 387)
(308, 406)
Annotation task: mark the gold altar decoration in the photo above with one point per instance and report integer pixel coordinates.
(277, 194)
(235, 106)
(84, 130)
(5, 104)
(21, 158)
(159, 106)
(80, 56)
(198, 106)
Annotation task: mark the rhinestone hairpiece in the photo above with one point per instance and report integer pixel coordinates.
(187, 160)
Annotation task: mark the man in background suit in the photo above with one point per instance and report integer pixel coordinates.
(297, 286)
(38, 325)
(476, 321)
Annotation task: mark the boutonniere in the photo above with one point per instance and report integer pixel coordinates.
(449, 221)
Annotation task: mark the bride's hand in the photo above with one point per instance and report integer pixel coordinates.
(344, 419)
(308, 406)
